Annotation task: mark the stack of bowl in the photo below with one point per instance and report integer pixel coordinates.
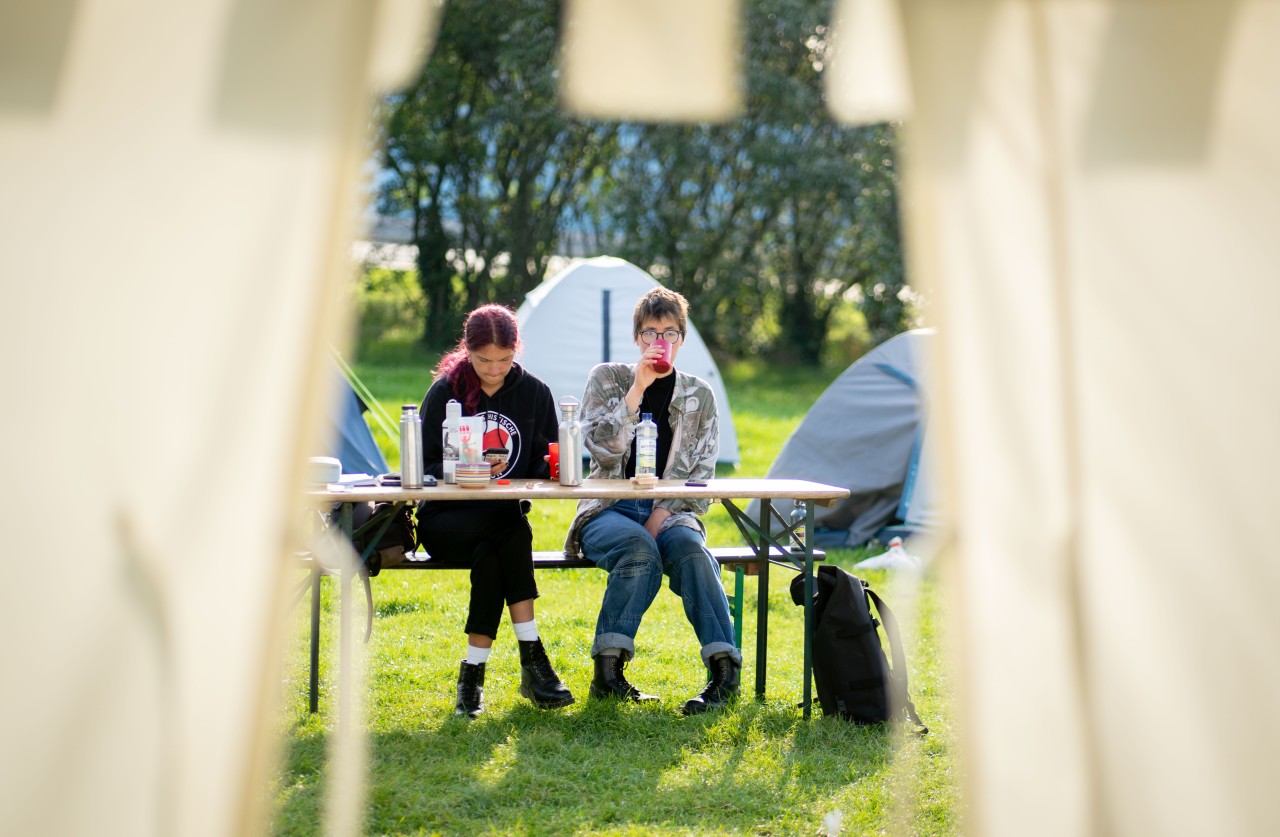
(472, 474)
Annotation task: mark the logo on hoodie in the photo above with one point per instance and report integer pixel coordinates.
(502, 432)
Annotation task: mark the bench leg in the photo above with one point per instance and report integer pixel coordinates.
(739, 602)
(762, 604)
(316, 575)
(808, 611)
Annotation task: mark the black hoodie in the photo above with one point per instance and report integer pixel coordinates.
(520, 417)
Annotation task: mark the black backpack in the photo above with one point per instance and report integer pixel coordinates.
(852, 674)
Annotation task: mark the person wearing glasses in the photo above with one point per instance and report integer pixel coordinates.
(492, 535)
(639, 541)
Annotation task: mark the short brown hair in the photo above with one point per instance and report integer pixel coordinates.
(658, 304)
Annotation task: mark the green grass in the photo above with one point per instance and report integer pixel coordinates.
(603, 768)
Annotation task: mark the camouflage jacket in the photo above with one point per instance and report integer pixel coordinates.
(608, 428)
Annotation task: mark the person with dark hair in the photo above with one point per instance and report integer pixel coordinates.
(494, 535)
(638, 541)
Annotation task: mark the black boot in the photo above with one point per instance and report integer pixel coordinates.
(470, 690)
(721, 688)
(610, 682)
(538, 681)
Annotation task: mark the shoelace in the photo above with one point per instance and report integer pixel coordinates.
(541, 664)
(716, 683)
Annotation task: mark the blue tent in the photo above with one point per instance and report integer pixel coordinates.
(350, 440)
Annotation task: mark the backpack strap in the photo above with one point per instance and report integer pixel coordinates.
(363, 569)
(370, 563)
(890, 623)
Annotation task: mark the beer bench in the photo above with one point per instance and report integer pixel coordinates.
(765, 532)
(737, 558)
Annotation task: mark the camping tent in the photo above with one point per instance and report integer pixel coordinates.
(866, 433)
(582, 316)
(348, 435)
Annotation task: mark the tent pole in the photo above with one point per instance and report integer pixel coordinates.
(604, 331)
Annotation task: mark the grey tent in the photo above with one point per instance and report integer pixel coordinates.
(866, 432)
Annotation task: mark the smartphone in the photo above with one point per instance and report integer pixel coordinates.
(695, 483)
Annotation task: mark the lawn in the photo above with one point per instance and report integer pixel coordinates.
(600, 767)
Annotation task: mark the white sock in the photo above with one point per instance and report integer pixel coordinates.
(476, 656)
(526, 631)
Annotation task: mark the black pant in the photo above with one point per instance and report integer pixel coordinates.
(496, 540)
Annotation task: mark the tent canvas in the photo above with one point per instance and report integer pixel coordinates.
(582, 316)
(866, 432)
(348, 436)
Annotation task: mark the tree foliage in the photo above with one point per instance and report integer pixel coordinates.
(479, 156)
(766, 223)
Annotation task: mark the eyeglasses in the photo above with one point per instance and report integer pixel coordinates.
(670, 335)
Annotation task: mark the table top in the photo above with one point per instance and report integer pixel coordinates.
(731, 488)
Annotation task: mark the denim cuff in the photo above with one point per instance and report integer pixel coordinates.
(712, 648)
(626, 643)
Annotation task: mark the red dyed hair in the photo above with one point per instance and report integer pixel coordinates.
(488, 325)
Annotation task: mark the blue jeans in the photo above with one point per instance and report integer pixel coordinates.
(618, 543)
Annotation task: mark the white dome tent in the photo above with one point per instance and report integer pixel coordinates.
(582, 316)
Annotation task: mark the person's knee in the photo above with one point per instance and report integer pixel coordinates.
(635, 550)
(635, 558)
(693, 572)
(681, 545)
(520, 534)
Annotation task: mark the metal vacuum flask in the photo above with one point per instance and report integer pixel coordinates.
(571, 448)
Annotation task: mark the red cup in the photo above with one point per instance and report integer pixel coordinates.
(553, 459)
(662, 365)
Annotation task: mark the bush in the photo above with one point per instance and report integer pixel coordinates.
(390, 307)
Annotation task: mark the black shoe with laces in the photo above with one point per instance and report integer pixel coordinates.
(610, 682)
(470, 690)
(538, 681)
(721, 688)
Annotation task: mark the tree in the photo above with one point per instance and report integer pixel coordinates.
(766, 223)
(479, 156)
(769, 222)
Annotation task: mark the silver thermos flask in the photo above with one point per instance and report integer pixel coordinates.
(410, 447)
(570, 442)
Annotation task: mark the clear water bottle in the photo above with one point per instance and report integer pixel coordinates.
(410, 447)
(798, 517)
(571, 443)
(646, 447)
(449, 438)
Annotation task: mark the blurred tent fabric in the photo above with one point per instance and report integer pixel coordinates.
(1090, 196)
(866, 433)
(178, 396)
(583, 316)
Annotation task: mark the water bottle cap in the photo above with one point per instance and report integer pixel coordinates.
(646, 416)
(452, 409)
(409, 407)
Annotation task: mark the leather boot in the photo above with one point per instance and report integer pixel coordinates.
(610, 682)
(538, 681)
(721, 688)
(470, 690)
